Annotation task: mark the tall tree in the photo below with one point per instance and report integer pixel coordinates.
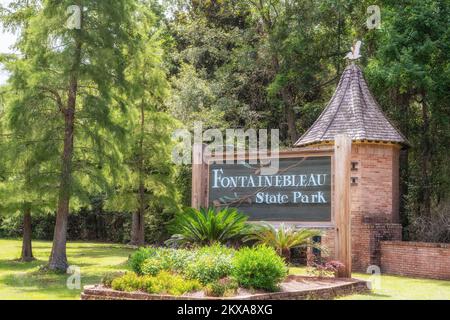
(17, 175)
(148, 150)
(69, 80)
(411, 76)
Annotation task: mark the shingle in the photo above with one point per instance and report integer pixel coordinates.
(352, 110)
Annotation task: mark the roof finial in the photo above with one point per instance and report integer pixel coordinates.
(354, 54)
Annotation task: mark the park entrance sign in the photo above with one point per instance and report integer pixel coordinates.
(310, 188)
(299, 192)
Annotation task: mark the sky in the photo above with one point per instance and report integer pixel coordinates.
(6, 41)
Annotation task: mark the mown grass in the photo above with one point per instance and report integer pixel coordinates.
(19, 280)
(398, 288)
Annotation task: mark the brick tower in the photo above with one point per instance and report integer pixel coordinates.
(375, 164)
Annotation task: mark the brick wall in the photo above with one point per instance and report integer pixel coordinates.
(375, 195)
(416, 259)
(366, 238)
(374, 201)
(373, 204)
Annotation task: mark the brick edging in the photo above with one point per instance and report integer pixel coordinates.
(97, 292)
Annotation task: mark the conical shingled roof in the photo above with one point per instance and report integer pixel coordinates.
(354, 111)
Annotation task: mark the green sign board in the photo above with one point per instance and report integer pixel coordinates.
(300, 191)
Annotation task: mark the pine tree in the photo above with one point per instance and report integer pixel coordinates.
(151, 171)
(70, 86)
(16, 174)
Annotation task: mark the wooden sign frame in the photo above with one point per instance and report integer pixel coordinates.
(340, 189)
(200, 178)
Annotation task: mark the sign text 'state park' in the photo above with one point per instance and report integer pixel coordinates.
(300, 191)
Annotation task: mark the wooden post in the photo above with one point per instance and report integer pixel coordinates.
(343, 149)
(199, 177)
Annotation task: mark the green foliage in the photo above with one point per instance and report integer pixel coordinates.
(222, 287)
(263, 64)
(18, 280)
(210, 264)
(152, 266)
(205, 264)
(82, 225)
(176, 260)
(206, 226)
(166, 259)
(39, 86)
(138, 257)
(129, 282)
(67, 92)
(172, 284)
(109, 277)
(259, 268)
(283, 238)
(162, 283)
(410, 76)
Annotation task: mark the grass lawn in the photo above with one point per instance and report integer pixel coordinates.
(399, 288)
(20, 280)
(24, 280)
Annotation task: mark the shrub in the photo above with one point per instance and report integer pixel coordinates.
(283, 238)
(110, 276)
(178, 259)
(128, 282)
(138, 257)
(259, 268)
(163, 283)
(210, 264)
(206, 227)
(167, 259)
(154, 265)
(222, 287)
(214, 250)
(168, 283)
(205, 264)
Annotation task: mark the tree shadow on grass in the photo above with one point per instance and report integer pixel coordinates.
(17, 265)
(33, 266)
(99, 253)
(34, 283)
(106, 246)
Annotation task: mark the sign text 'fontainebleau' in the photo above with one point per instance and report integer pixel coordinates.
(300, 191)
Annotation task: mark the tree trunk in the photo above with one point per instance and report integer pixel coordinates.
(426, 160)
(58, 257)
(404, 178)
(403, 101)
(290, 115)
(286, 96)
(27, 252)
(286, 254)
(138, 223)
